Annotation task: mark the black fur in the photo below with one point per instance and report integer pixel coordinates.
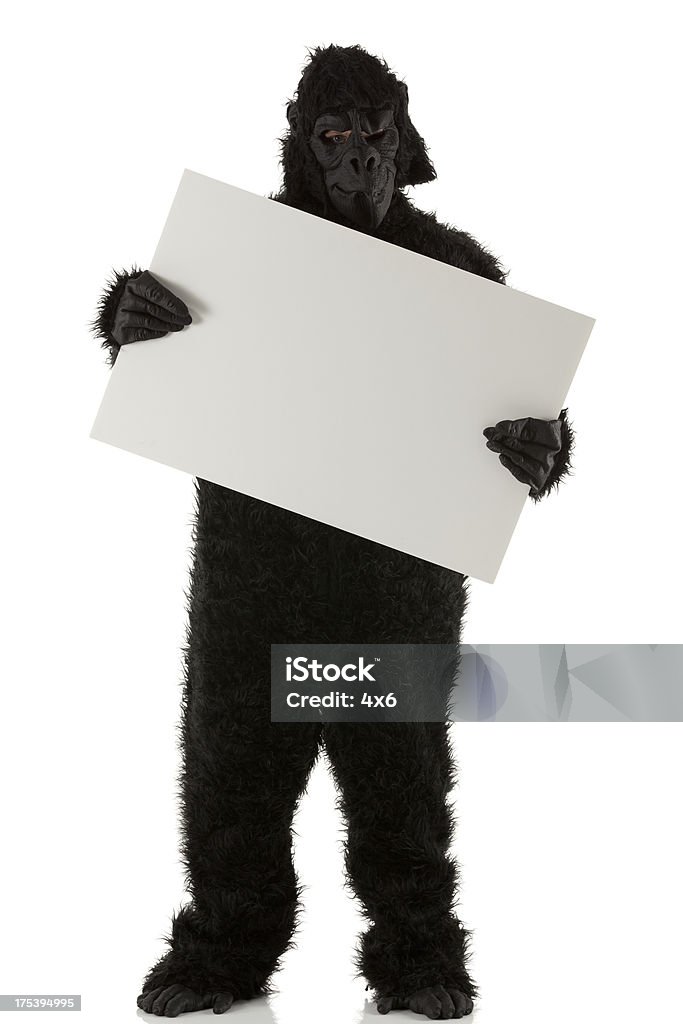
(262, 575)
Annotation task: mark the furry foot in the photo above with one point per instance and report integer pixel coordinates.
(172, 1000)
(436, 1002)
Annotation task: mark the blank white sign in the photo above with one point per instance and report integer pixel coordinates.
(340, 377)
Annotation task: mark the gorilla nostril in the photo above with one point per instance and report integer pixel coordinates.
(370, 163)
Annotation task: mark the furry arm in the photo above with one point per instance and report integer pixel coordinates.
(562, 464)
(103, 321)
(466, 253)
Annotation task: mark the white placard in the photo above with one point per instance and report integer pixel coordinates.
(339, 376)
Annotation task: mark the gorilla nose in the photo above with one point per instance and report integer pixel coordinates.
(366, 162)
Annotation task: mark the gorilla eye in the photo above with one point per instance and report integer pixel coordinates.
(336, 138)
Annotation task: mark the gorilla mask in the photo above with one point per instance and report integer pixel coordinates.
(357, 152)
(351, 143)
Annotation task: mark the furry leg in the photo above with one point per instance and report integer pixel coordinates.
(394, 780)
(241, 782)
(241, 779)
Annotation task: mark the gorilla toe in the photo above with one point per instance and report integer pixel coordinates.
(436, 1002)
(172, 1000)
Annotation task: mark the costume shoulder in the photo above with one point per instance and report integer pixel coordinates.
(420, 231)
(464, 251)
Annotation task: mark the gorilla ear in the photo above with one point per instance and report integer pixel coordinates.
(292, 115)
(413, 164)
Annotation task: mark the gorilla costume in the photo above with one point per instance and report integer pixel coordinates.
(263, 575)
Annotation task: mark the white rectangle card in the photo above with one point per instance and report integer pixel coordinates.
(340, 377)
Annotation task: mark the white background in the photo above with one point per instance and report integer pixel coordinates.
(554, 130)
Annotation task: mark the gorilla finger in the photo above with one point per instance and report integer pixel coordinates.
(426, 1003)
(180, 1003)
(139, 334)
(544, 432)
(462, 1003)
(535, 450)
(136, 304)
(537, 470)
(145, 999)
(501, 427)
(129, 318)
(183, 1002)
(166, 994)
(537, 462)
(494, 446)
(518, 473)
(533, 469)
(147, 286)
(447, 1008)
(222, 1002)
(540, 445)
(386, 1004)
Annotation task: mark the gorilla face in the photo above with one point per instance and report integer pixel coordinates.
(351, 145)
(357, 151)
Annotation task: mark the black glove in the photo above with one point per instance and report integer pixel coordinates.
(147, 309)
(535, 451)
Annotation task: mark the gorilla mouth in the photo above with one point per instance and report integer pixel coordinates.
(353, 191)
(373, 191)
(360, 195)
(364, 205)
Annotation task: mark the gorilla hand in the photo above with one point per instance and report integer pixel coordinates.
(437, 1003)
(147, 309)
(527, 448)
